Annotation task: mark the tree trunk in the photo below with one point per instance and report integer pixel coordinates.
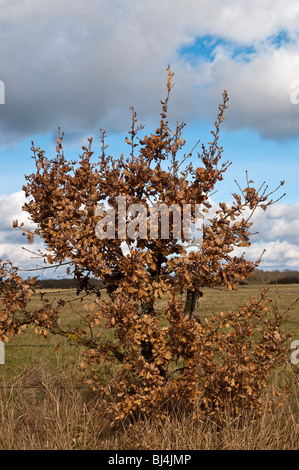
(190, 303)
(147, 347)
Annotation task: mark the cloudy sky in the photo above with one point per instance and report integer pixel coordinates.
(81, 65)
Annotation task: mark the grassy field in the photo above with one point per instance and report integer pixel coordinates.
(28, 348)
(44, 405)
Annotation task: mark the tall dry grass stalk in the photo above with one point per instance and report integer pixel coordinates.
(39, 410)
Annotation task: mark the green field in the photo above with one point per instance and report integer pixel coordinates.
(29, 349)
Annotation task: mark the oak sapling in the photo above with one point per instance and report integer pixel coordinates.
(156, 358)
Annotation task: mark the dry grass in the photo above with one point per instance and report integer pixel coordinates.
(44, 406)
(41, 411)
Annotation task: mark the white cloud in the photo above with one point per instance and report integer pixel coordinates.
(278, 255)
(12, 242)
(11, 209)
(279, 222)
(259, 90)
(82, 66)
(278, 234)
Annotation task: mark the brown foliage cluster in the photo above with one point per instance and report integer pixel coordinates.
(15, 312)
(155, 358)
(224, 361)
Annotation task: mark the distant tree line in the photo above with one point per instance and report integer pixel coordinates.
(256, 277)
(273, 277)
(60, 283)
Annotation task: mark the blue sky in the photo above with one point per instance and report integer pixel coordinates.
(84, 68)
(264, 159)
